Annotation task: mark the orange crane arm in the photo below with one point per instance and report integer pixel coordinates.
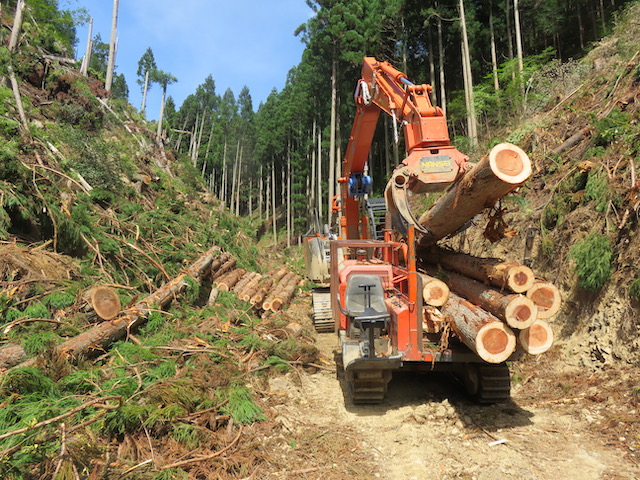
(432, 162)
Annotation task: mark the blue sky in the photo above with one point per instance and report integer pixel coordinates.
(238, 42)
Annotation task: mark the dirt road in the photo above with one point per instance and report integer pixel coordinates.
(558, 426)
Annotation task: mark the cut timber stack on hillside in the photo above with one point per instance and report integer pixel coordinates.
(493, 306)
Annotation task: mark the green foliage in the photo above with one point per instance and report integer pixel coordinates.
(611, 127)
(241, 406)
(188, 435)
(597, 190)
(634, 287)
(36, 310)
(592, 256)
(127, 419)
(192, 292)
(60, 299)
(172, 474)
(38, 342)
(27, 380)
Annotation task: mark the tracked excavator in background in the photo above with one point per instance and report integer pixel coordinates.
(375, 299)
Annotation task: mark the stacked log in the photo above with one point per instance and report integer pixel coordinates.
(493, 305)
(284, 294)
(276, 290)
(266, 286)
(226, 282)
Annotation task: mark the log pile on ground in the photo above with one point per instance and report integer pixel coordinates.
(493, 307)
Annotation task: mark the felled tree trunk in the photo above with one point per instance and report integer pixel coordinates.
(515, 309)
(276, 289)
(98, 338)
(434, 292)
(479, 330)
(104, 301)
(250, 288)
(536, 339)
(246, 278)
(226, 282)
(226, 267)
(285, 294)
(497, 174)
(513, 276)
(547, 298)
(264, 289)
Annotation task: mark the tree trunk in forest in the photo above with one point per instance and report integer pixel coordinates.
(289, 219)
(547, 297)
(504, 275)
(509, 35)
(580, 27)
(494, 55)
(319, 196)
(515, 309)
(483, 333)
(84, 68)
(273, 203)
(17, 26)
(239, 181)
(233, 179)
(161, 115)
(516, 22)
(250, 196)
(97, 339)
(536, 339)
(332, 138)
(223, 180)
(468, 80)
(312, 183)
(494, 176)
(144, 93)
(432, 68)
(443, 93)
(260, 203)
(112, 50)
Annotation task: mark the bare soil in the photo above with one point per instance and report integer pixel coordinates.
(562, 423)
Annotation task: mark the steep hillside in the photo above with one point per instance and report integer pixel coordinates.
(583, 202)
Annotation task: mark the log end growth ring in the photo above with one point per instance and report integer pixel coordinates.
(547, 297)
(495, 342)
(510, 163)
(105, 302)
(435, 293)
(536, 339)
(520, 278)
(521, 312)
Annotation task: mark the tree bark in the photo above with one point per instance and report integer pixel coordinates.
(160, 117)
(572, 141)
(468, 79)
(536, 339)
(510, 275)
(244, 280)
(516, 22)
(84, 68)
(273, 203)
(285, 294)
(264, 289)
(225, 268)
(502, 171)
(332, 138)
(547, 298)
(479, 330)
(226, 282)
(144, 93)
(17, 25)
(494, 56)
(515, 309)
(434, 292)
(443, 93)
(112, 49)
(276, 290)
(251, 288)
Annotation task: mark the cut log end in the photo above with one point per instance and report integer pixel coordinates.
(520, 278)
(435, 293)
(510, 163)
(495, 342)
(536, 339)
(547, 298)
(105, 302)
(521, 312)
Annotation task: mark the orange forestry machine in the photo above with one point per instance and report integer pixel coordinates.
(375, 291)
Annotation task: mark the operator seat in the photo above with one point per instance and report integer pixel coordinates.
(364, 302)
